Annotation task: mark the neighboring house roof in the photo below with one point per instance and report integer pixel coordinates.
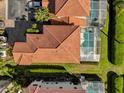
(41, 90)
(68, 7)
(53, 87)
(57, 44)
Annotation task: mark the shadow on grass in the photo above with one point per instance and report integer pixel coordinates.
(89, 63)
(112, 41)
(91, 77)
(24, 77)
(26, 81)
(111, 32)
(56, 67)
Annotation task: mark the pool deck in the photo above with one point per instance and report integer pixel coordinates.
(90, 52)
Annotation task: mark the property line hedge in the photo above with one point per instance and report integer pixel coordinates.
(118, 84)
(118, 44)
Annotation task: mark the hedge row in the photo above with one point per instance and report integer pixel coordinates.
(118, 46)
(118, 85)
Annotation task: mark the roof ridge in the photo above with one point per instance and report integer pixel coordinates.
(65, 38)
(70, 52)
(23, 57)
(33, 50)
(82, 6)
(80, 3)
(70, 34)
(35, 91)
(54, 37)
(32, 43)
(62, 6)
(19, 60)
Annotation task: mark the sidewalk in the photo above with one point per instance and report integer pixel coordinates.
(2, 9)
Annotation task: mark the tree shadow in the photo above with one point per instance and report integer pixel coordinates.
(89, 63)
(24, 77)
(43, 67)
(26, 80)
(91, 77)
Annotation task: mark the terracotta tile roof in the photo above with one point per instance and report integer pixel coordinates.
(52, 36)
(40, 90)
(60, 33)
(60, 21)
(25, 47)
(68, 7)
(26, 59)
(30, 89)
(17, 57)
(57, 44)
(78, 21)
(47, 40)
(69, 20)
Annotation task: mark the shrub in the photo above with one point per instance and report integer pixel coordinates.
(33, 29)
(118, 84)
(118, 34)
(43, 14)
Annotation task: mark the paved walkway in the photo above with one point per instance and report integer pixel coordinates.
(2, 9)
(16, 8)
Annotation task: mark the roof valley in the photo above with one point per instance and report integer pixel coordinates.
(61, 6)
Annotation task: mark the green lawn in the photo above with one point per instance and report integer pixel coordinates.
(119, 35)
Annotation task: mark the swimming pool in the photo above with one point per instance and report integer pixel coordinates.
(95, 87)
(88, 37)
(87, 41)
(98, 11)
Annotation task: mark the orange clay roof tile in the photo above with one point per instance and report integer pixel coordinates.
(69, 7)
(68, 51)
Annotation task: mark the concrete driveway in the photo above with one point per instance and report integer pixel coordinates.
(16, 9)
(17, 33)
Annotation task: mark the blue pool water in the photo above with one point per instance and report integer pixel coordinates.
(88, 39)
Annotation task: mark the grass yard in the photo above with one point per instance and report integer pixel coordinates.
(119, 34)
